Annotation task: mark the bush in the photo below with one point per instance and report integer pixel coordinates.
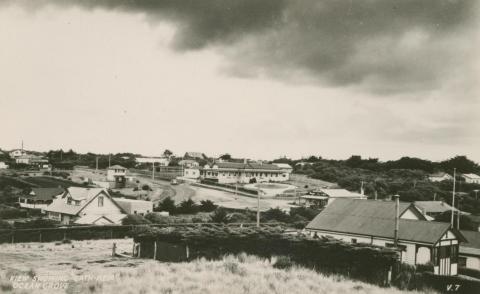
(304, 212)
(167, 205)
(7, 212)
(135, 219)
(156, 218)
(37, 223)
(219, 216)
(4, 225)
(238, 217)
(276, 214)
(146, 188)
(283, 262)
(187, 207)
(404, 276)
(207, 206)
(469, 272)
(425, 267)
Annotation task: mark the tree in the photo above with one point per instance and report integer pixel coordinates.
(167, 205)
(226, 156)
(276, 214)
(465, 222)
(219, 216)
(461, 163)
(167, 153)
(187, 207)
(207, 206)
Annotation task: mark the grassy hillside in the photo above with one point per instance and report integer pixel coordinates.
(243, 274)
(43, 182)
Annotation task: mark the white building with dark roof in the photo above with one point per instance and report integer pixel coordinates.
(85, 206)
(373, 222)
(234, 172)
(439, 177)
(471, 178)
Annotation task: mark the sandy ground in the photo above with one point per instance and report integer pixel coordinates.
(80, 262)
(87, 267)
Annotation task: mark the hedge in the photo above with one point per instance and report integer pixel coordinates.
(327, 255)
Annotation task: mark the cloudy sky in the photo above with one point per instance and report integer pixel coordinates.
(257, 79)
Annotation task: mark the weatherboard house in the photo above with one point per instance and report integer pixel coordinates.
(85, 206)
(373, 222)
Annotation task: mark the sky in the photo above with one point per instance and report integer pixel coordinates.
(256, 79)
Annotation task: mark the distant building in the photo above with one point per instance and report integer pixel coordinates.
(187, 163)
(159, 161)
(471, 178)
(439, 177)
(373, 222)
(132, 206)
(17, 153)
(191, 173)
(322, 197)
(434, 208)
(85, 206)
(117, 174)
(39, 198)
(31, 159)
(194, 155)
(470, 250)
(232, 172)
(285, 167)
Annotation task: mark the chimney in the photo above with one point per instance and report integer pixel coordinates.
(397, 216)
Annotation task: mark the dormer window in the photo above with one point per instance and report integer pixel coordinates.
(100, 201)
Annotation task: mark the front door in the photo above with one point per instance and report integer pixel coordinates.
(444, 260)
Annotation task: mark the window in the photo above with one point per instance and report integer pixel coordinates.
(462, 261)
(69, 200)
(100, 201)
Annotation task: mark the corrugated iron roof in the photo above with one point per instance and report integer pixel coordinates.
(377, 219)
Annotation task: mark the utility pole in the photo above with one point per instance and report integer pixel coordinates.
(109, 159)
(458, 213)
(96, 164)
(258, 209)
(397, 216)
(153, 170)
(434, 196)
(453, 197)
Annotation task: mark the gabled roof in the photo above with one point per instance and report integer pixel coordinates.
(85, 195)
(433, 206)
(376, 219)
(45, 194)
(471, 176)
(439, 175)
(339, 193)
(116, 167)
(195, 154)
(248, 165)
(283, 165)
(472, 246)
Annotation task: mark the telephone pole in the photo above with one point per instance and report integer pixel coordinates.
(153, 170)
(109, 159)
(96, 164)
(453, 197)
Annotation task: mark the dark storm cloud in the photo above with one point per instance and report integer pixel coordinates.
(384, 46)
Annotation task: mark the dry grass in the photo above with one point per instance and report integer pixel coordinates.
(242, 274)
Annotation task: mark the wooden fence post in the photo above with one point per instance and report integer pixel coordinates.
(13, 236)
(155, 250)
(40, 236)
(188, 251)
(114, 247)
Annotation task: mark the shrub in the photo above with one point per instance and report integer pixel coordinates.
(428, 267)
(197, 220)
(219, 216)
(276, 214)
(283, 262)
(7, 212)
(187, 207)
(238, 217)
(146, 188)
(305, 212)
(156, 218)
(36, 223)
(207, 206)
(167, 205)
(469, 272)
(4, 225)
(135, 219)
(404, 276)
